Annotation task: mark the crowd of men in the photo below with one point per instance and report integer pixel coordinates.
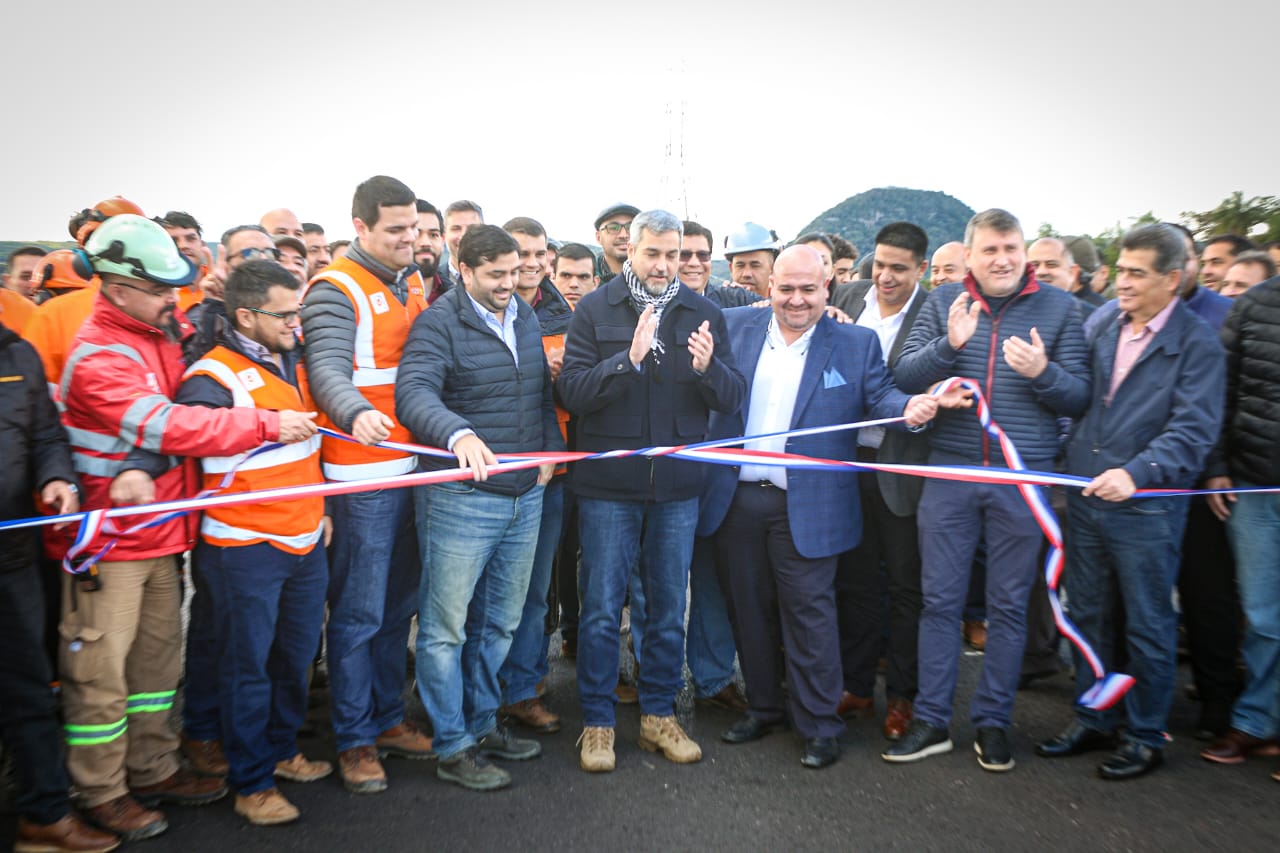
(139, 367)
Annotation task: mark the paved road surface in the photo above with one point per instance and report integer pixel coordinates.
(758, 797)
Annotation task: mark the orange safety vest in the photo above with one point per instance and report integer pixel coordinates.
(54, 325)
(15, 310)
(382, 327)
(294, 525)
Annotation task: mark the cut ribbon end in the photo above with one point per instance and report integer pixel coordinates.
(1106, 691)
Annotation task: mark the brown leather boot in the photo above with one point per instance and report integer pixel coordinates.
(126, 818)
(205, 756)
(183, 788)
(68, 834)
(533, 715)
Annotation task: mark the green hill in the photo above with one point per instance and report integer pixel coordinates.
(859, 217)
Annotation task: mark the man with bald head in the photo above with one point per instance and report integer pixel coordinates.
(283, 222)
(773, 525)
(948, 264)
(1053, 263)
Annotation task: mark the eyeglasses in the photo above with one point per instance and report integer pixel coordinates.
(159, 294)
(613, 227)
(289, 317)
(253, 254)
(688, 254)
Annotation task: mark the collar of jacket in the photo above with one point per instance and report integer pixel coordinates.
(111, 317)
(1026, 286)
(385, 274)
(467, 312)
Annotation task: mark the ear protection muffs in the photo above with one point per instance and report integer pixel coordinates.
(81, 264)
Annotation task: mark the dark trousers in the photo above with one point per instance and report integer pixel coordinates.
(566, 568)
(267, 606)
(28, 709)
(778, 598)
(1210, 607)
(953, 517)
(200, 688)
(891, 541)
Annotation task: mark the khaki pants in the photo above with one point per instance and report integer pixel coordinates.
(120, 658)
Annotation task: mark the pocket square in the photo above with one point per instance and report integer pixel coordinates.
(831, 378)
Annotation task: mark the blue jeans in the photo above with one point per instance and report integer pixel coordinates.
(612, 533)
(1122, 562)
(477, 555)
(527, 661)
(200, 720)
(268, 607)
(373, 575)
(1254, 530)
(709, 648)
(952, 518)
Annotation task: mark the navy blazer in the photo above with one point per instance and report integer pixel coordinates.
(1165, 415)
(844, 380)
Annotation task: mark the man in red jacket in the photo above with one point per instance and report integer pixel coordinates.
(121, 632)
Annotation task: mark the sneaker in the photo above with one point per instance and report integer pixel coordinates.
(471, 770)
(266, 808)
(500, 743)
(920, 741)
(299, 769)
(205, 756)
(404, 740)
(533, 715)
(597, 749)
(67, 834)
(664, 734)
(361, 770)
(124, 817)
(183, 788)
(992, 746)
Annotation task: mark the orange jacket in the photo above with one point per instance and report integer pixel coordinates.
(291, 525)
(54, 326)
(15, 310)
(382, 326)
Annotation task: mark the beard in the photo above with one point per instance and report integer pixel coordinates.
(428, 265)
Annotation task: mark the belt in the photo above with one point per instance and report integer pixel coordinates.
(764, 484)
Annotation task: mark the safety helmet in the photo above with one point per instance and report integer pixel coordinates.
(62, 269)
(84, 222)
(134, 246)
(750, 237)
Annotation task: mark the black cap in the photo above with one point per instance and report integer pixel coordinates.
(618, 209)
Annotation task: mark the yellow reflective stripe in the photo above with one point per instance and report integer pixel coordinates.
(89, 735)
(148, 703)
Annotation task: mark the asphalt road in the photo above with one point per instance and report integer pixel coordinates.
(758, 797)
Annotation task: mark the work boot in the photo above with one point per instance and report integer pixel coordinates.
(361, 771)
(597, 749)
(68, 834)
(126, 818)
(300, 769)
(533, 715)
(205, 756)
(183, 788)
(472, 770)
(664, 734)
(404, 740)
(266, 808)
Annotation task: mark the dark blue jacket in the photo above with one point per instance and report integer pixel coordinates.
(1027, 409)
(663, 403)
(455, 374)
(1204, 303)
(1166, 413)
(844, 380)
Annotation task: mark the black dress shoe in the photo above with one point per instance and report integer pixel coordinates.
(749, 728)
(1075, 740)
(1130, 761)
(820, 752)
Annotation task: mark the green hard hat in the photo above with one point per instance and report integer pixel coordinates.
(135, 247)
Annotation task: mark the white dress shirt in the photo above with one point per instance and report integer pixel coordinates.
(886, 329)
(773, 399)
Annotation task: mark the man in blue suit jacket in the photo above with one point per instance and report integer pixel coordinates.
(778, 531)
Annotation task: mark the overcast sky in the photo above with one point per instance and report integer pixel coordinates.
(1079, 114)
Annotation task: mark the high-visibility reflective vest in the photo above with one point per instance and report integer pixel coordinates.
(291, 525)
(382, 327)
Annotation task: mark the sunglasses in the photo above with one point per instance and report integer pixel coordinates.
(687, 255)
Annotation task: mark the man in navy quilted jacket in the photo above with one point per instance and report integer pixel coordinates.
(1022, 342)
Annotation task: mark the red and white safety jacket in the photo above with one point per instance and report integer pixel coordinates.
(291, 525)
(117, 389)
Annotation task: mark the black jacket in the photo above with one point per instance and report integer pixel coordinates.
(457, 374)
(663, 403)
(1249, 449)
(33, 446)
